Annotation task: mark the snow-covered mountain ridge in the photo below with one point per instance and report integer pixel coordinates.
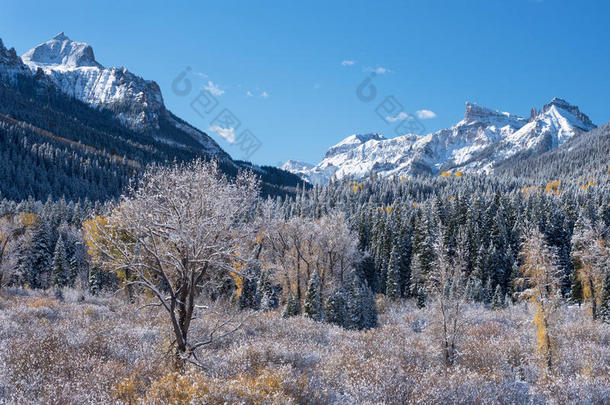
(481, 140)
(136, 102)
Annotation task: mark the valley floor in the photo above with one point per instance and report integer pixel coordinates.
(99, 350)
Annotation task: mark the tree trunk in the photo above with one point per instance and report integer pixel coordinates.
(593, 299)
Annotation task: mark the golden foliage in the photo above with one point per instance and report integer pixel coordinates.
(28, 219)
(176, 388)
(446, 174)
(265, 386)
(128, 389)
(459, 174)
(552, 187)
(101, 236)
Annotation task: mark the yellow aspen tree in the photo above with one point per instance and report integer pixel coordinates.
(541, 279)
(590, 255)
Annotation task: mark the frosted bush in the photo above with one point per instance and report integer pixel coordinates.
(110, 353)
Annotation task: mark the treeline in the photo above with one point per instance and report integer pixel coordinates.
(42, 245)
(399, 221)
(328, 251)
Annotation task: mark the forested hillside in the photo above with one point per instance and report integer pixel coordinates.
(55, 145)
(581, 157)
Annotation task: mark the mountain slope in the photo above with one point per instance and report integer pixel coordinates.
(54, 144)
(136, 102)
(479, 142)
(578, 157)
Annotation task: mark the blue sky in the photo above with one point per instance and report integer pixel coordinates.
(278, 65)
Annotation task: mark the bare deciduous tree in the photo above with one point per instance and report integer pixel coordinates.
(300, 246)
(182, 228)
(591, 256)
(11, 229)
(446, 288)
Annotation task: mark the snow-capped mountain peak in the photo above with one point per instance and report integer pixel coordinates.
(62, 51)
(481, 140)
(136, 102)
(476, 113)
(296, 166)
(582, 121)
(352, 142)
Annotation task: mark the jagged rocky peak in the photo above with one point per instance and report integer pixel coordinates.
(8, 56)
(62, 51)
(475, 112)
(352, 142)
(533, 114)
(562, 104)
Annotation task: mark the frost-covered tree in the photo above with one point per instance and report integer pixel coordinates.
(61, 268)
(313, 300)
(12, 229)
(542, 282)
(604, 309)
(361, 309)
(446, 288)
(591, 257)
(268, 296)
(292, 307)
(393, 285)
(248, 299)
(181, 229)
(497, 301)
(335, 310)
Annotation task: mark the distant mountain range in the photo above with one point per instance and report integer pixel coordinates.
(480, 142)
(98, 126)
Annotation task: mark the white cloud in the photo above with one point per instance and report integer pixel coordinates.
(249, 94)
(348, 63)
(214, 89)
(201, 74)
(380, 70)
(264, 94)
(226, 133)
(399, 117)
(425, 114)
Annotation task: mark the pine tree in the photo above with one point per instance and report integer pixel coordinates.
(95, 280)
(365, 269)
(369, 304)
(267, 293)
(354, 305)
(313, 299)
(421, 297)
(393, 287)
(575, 288)
(292, 307)
(61, 268)
(488, 292)
(498, 299)
(37, 256)
(249, 298)
(336, 308)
